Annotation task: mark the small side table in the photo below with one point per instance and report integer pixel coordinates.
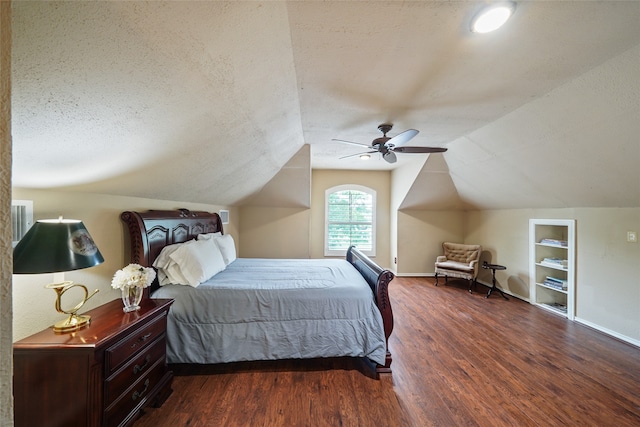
(493, 268)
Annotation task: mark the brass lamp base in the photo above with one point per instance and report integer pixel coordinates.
(73, 323)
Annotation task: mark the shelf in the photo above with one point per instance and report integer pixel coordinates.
(562, 291)
(554, 308)
(552, 246)
(552, 240)
(539, 264)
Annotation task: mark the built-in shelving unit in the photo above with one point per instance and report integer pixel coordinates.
(552, 265)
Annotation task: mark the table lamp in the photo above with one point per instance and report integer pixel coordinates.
(56, 246)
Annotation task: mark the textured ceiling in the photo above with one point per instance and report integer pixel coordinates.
(209, 101)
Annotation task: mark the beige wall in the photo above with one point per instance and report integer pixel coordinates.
(608, 270)
(274, 232)
(379, 181)
(402, 180)
(33, 306)
(504, 236)
(420, 237)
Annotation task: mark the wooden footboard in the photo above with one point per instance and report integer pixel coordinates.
(378, 279)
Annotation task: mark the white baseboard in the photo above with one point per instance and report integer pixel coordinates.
(608, 332)
(412, 274)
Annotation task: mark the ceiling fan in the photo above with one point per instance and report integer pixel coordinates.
(389, 146)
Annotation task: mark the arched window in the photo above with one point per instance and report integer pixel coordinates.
(350, 219)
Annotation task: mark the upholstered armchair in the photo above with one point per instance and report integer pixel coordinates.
(459, 261)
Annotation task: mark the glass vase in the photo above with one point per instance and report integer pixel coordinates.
(131, 297)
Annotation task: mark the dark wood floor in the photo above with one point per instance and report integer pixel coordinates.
(458, 360)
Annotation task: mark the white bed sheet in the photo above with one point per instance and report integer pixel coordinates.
(265, 309)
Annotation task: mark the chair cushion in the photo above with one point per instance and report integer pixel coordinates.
(452, 265)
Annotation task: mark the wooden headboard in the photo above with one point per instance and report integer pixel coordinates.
(152, 230)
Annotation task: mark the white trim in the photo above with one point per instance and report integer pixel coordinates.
(614, 334)
(395, 273)
(355, 187)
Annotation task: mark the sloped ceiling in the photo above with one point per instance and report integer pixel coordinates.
(577, 146)
(433, 188)
(291, 187)
(186, 101)
(209, 101)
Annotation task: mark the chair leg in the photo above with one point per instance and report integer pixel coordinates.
(470, 284)
(436, 279)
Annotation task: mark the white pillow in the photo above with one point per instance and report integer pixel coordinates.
(227, 248)
(163, 260)
(168, 270)
(172, 275)
(198, 261)
(209, 236)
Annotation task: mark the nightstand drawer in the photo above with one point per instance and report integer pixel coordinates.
(135, 395)
(133, 370)
(134, 343)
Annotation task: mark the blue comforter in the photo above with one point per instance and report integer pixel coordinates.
(262, 309)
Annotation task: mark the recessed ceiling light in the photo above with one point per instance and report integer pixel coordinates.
(365, 157)
(492, 17)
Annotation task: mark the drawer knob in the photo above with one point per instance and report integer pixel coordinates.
(137, 394)
(141, 339)
(139, 368)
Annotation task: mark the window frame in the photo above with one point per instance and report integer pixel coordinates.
(350, 187)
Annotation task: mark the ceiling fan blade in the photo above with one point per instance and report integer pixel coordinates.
(390, 157)
(419, 149)
(358, 154)
(402, 138)
(351, 142)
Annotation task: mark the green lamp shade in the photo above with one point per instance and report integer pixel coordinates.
(55, 245)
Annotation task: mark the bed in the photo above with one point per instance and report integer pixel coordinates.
(264, 309)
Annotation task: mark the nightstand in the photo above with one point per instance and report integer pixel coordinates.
(101, 375)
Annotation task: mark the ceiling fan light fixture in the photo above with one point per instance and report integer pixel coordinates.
(493, 17)
(389, 146)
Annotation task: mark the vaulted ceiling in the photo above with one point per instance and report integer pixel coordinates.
(212, 101)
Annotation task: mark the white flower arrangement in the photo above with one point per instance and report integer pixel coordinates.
(133, 275)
